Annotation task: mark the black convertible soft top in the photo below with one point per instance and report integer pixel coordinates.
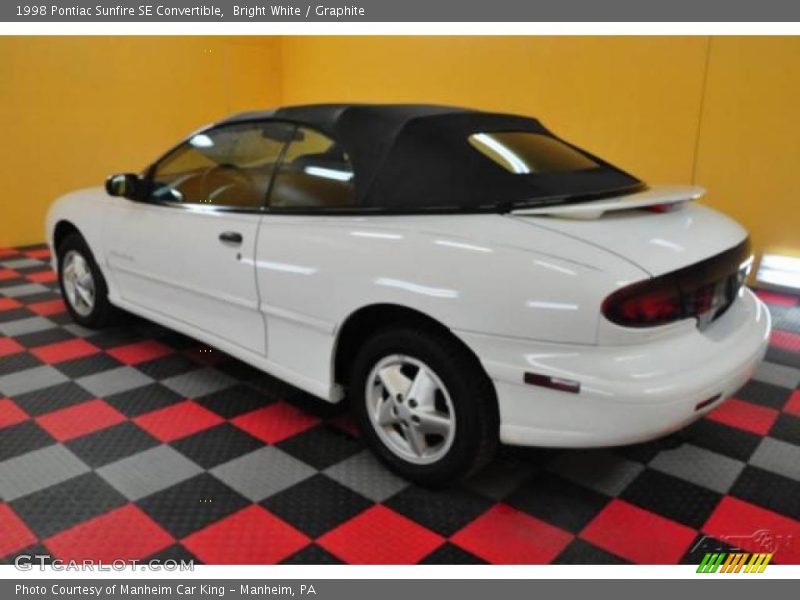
(413, 157)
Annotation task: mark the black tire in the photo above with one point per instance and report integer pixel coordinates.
(470, 390)
(103, 312)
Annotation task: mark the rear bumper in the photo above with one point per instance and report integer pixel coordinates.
(628, 393)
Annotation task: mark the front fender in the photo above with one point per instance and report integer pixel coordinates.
(85, 210)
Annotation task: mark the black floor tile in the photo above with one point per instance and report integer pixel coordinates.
(322, 446)
(581, 552)
(316, 505)
(450, 554)
(672, 498)
(235, 400)
(443, 511)
(783, 357)
(769, 490)
(723, 439)
(557, 501)
(56, 397)
(217, 445)
(786, 428)
(66, 504)
(45, 337)
(143, 399)
(192, 504)
(112, 444)
(765, 394)
(167, 366)
(88, 365)
(22, 438)
(312, 555)
(19, 361)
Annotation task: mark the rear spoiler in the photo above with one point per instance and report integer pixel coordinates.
(658, 196)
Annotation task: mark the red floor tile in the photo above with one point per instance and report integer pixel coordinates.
(9, 346)
(785, 340)
(638, 535)
(755, 529)
(126, 533)
(80, 419)
(9, 303)
(49, 307)
(10, 413)
(15, 534)
(380, 536)
(744, 415)
(504, 535)
(139, 352)
(62, 351)
(42, 277)
(252, 536)
(275, 422)
(178, 420)
(41, 254)
(8, 274)
(776, 298)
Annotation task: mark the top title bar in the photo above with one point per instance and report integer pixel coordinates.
(463, 11)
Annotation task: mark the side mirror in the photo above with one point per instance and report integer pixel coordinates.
(125, 185)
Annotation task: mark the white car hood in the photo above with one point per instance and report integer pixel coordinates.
(655, 242)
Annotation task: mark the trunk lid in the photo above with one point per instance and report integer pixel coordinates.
(657, 242)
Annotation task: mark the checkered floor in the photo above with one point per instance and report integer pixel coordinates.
(136, 442)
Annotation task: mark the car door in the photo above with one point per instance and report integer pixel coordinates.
(314, 178)
(187, 250)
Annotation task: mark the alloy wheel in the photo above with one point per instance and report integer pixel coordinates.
(79, 285)
(410, 409)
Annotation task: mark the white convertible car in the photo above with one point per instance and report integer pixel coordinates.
(461, 277)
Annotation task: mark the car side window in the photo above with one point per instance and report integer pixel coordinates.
(228, 166)
(315, 174)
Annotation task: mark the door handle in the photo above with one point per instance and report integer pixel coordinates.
(231, 237)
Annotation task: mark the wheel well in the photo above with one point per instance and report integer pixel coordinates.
(368, 320)
(63, 229)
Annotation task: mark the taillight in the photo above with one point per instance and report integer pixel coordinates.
(645, 304)
(703, 290)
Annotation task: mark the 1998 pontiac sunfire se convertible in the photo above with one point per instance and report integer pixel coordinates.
(462, 277)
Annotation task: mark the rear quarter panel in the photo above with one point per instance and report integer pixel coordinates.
(472, 273)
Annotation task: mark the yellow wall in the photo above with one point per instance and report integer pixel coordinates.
(75, 109)
(719, 112)
(749, 146)
(634, 101)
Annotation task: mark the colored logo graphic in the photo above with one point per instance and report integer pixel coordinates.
(724, 562)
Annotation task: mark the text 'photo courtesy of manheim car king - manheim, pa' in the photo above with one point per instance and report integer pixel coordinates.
(436, 267)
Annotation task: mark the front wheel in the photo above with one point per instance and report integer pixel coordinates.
(424, 405)
(82, 284)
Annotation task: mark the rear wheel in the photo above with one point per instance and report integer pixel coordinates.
(424, 405)
(83, 286)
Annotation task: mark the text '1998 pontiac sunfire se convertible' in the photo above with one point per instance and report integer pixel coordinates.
(462, 278)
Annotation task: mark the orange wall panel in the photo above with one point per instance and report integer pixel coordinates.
(749, 145)
(719, 112)
(76, 109)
